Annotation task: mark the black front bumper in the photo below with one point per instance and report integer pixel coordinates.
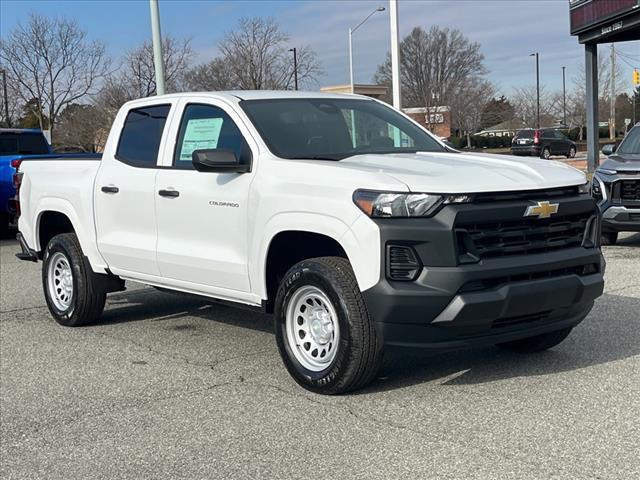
(452, 304)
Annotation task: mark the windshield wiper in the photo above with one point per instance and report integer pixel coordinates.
(316, 157)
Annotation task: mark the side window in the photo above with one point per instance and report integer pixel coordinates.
(141, 135)
(208, 127)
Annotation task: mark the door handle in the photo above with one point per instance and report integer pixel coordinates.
(169, 193)
(110, 189)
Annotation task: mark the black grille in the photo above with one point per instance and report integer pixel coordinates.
(402, 263)
(495, 282)
(521, 237)
(630, 189)
(525, 195)
(520, 319)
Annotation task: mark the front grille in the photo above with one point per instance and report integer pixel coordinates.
(526, 195)
(520, 319)
(630, 189)
(495, 282)
(521, 237)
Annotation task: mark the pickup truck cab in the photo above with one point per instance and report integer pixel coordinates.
(352, 224)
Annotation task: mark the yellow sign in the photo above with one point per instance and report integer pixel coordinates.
(636, 76)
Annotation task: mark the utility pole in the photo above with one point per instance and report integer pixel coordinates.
(295, 67)
(564, 99)
(612, 110)
(158, 60)
(537, 89)
(6, 98)
(395, 54)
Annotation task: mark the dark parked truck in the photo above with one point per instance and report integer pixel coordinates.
(348, 221)
(616, 187)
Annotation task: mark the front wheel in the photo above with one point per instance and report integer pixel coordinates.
(75, 294)
(326, 339)
(572, 152)
(536, 344)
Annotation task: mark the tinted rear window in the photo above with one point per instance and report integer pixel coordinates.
(141, 135)
(32, 143)
(525, 134)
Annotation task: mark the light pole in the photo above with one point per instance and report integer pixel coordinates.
(395, 58)
(537, 89)
(351, 30)
(157, 46)
(6, 98)
(295, 67)
(564, 99)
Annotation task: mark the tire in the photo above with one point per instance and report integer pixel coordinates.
(546, 153)
(536, 344)
(572, 152)
(4, 225)
(348, 351)
(75, 294)
(609, 238)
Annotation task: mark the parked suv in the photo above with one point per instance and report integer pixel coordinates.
(616, 187)
(542, 143)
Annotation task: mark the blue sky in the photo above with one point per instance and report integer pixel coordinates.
(508, 30)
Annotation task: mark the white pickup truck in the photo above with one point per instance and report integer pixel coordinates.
(346, 219)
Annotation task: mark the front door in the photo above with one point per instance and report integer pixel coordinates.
(124, 194)
(202, 216)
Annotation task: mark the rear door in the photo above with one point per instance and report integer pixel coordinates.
(125, 193)
(202, 216)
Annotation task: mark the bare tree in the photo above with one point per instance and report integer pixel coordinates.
(468, 106)
(81, 127)
(525, 105)
(257, 55)
(136, 76)
(434, 65)
(211, 76)
(54, 63)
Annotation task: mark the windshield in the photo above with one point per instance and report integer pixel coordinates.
(334, 129)
(23, 143)
(631, 144)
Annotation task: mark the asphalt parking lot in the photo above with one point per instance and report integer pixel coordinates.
(169, 386)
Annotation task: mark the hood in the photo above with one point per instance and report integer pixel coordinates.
(622, 163)
(443, 172)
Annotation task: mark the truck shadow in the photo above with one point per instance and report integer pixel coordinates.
(610, 333)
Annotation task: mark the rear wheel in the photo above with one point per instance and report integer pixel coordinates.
(539, 343)
(546, 153)
(326, 339)
(572, 152)
(4, 225)
(75, 294)
(609, 238)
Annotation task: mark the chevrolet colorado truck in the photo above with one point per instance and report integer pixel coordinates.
(348, 221)
(616, 187)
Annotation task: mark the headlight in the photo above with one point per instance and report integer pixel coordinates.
(586, 188)
(387, 204)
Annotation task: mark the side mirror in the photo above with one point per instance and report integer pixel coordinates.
(448, 144)
(219, 160)
(609, 149)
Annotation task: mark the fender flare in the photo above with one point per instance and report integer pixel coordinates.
(320, 224)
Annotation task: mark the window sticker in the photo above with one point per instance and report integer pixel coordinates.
(201, 134)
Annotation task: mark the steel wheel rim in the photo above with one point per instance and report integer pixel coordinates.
(546, 153)
(572, 152)
(312, 328)
(60, 281)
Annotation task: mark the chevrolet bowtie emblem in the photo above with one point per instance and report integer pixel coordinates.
(542, 210)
